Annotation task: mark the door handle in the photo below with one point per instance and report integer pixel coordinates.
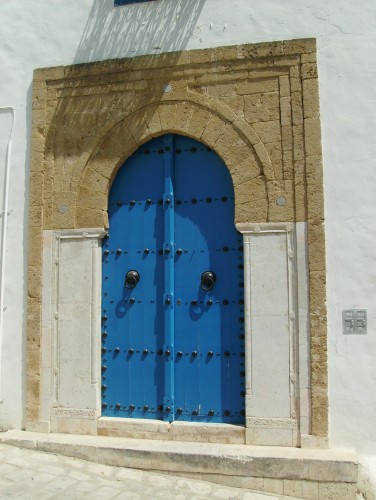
(208, 279)
(131, 278)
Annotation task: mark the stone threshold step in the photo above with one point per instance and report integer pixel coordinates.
(187, 458)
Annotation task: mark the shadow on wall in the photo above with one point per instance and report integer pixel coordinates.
(135, 29)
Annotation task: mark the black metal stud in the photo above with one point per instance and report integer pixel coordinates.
(179, 411)
(104, 387)
(167, 251)
(131, 407)
(242, 413)
(209, 302)
(195, 412)
(210, 354)
(208, 200)
(227, 413)
(194, 354)
(119, 203)
(168, 409)
(168, 301)
(117, 349)
(104, 368)
(117, 406)
(167, 201)
(242, 354)
(194, 302)
(104, 334)
(146, 251)
(226, 353)
(132, 300)
(242, 374)
(159, 352)
(225, 249)
(145, 351)
(225, 302)
(104, 349)
(160, 408)
(241, 301)
(106, 252)
(167, 352)
(179, 354)
(130, 351)
(178, 202)
(211, 413)
(242, 336)
(193, 201)
(104, 318)
(193, 150)
(224, 198)
(132, 203)
(242, 394)
(148, 201)
(179, 251)
(104, 405)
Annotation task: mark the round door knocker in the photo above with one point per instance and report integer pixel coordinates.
(208, 279)
(131, 279)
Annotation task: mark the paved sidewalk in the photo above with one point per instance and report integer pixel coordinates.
(28, 474)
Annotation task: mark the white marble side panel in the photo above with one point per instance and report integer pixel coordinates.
(270, 364)
(77, 337)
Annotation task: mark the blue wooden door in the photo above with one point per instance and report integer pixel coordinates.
(173, 317)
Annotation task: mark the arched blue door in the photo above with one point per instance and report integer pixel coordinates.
(173, 316)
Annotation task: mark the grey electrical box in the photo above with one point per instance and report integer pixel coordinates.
(354, 321)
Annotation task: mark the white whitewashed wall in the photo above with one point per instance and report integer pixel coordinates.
(51, 32)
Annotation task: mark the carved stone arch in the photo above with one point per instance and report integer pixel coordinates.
(247, 161)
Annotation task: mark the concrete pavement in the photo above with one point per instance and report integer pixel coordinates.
(29, 474)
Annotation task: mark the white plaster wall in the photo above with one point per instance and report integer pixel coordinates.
(51, 32)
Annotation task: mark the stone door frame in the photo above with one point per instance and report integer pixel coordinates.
(257, 107)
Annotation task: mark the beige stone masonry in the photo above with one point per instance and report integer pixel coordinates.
(256, 106)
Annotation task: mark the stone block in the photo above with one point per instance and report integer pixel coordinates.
(91, 218)
(316, 238)
(299, 46)
(272, 485)
(309, 70)
(34, 277)
(284, 86)
(312, 136)
(64, 210)
(310, 490)
(269, 132)
(318, 292)
(285, 108)
(337, 491)
(214, 128)
(261, 107)
(292, 488)
(259, 86)
(311, 98)
(251, 204)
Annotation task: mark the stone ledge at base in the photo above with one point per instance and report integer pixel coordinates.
(302, 473)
